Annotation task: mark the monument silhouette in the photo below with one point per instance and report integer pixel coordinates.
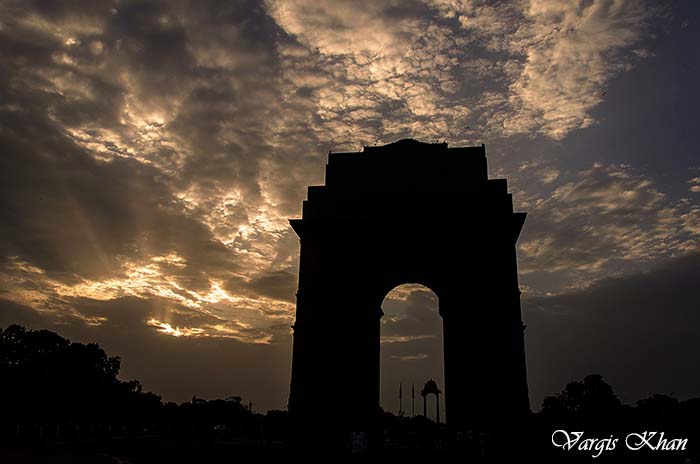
(408, 212)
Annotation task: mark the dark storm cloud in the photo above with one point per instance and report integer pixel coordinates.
(63, 210)
(209, 72)
(228, 106)
(278, 284)
(92, 178)
(66, 212)
(95, 167)
(641, 332)
(35, 58)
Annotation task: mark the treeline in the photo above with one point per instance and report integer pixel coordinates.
(660, 428)
(585, 422)
(52, 387)
(592, 405)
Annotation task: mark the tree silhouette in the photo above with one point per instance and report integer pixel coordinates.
(49, 380)
(590, 397)
(49, 383)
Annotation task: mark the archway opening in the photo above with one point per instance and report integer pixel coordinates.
(411, 351)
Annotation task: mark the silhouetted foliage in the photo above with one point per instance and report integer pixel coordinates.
(583, 402)
(46, 377)
(53, 386)
(68, 392)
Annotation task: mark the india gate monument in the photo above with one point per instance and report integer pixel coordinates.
(408, 212)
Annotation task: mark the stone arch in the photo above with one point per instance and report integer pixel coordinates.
(354, 231)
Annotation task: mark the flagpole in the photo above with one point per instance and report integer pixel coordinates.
(413, 401)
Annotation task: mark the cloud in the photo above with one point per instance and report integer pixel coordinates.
(124, 172)
(158, 360)
(572, 50)
(411, 357)
(409, 313)
(374, 70)
(695, 185)
(70, 214)
(640, 332)
(156, 149)
(601, 221)
(279, 285)
(561, 56)
(411, 342)
(338, 28)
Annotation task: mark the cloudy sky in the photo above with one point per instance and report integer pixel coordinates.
(152, 152)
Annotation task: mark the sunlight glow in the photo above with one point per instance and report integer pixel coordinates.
(165, 328)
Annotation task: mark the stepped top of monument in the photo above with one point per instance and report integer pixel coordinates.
(409, 146)
(407, 162)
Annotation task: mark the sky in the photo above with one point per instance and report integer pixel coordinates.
(152, 153)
